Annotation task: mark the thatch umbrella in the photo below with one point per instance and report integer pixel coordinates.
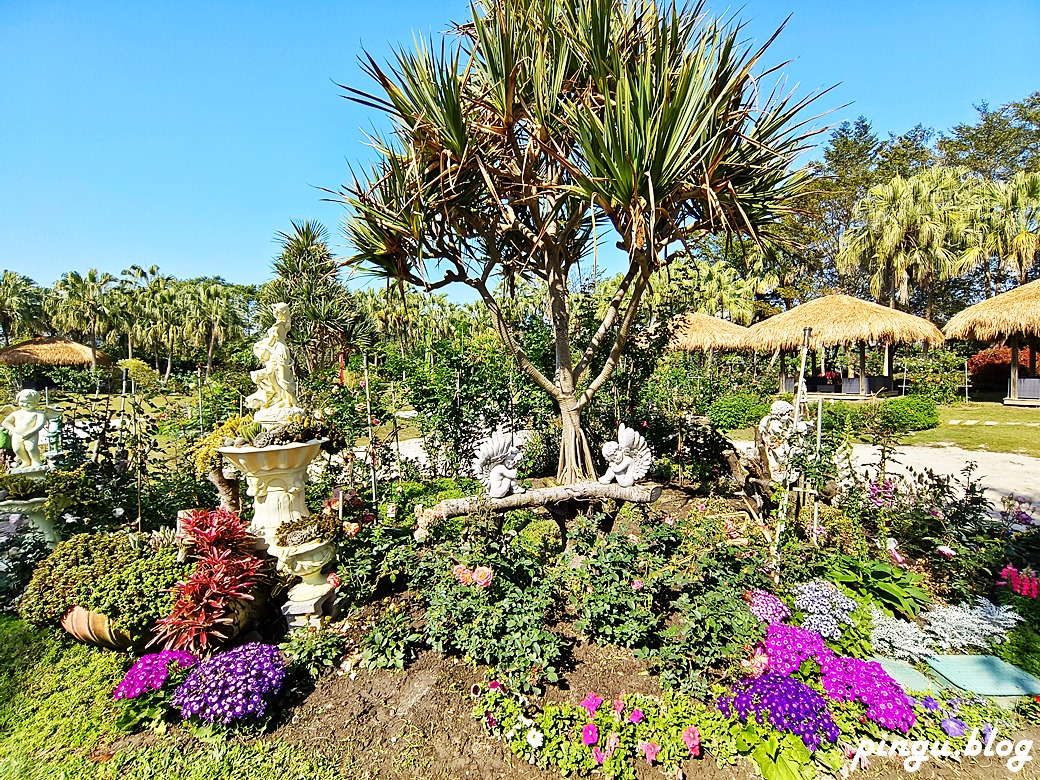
(696, 332)
(840, 320)
(50, 351)
(1014, 315)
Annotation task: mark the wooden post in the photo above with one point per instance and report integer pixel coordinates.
(1014, 367)
(783, 373)
(863, 368)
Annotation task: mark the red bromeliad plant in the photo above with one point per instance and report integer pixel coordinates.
(211, 599)
(215, 529)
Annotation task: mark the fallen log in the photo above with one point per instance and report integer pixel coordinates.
(637, 494)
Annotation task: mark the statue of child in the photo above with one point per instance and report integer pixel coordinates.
(24, 425)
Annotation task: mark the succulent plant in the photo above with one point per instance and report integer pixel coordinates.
(249, 431)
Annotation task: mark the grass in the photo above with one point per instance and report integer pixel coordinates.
(57, 719)
(1018, 439)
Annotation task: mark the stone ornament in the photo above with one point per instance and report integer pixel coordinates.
(495, 464)
(24, 423)
(275, 397)
(628, 459)
(780, 438)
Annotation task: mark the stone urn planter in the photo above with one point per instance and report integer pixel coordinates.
(95, 629)
(311, 598)
(33, 509)
(276, 478)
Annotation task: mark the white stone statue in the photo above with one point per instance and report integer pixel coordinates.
(275, 397)
(778, 434)
(628, 459)
(24, 423)
(495, 464)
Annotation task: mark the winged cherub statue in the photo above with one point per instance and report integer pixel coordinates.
(494, 464)
(24, 423)
(628, 459)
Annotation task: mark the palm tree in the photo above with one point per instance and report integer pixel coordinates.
(908, 230)
(544, 125)
(83, 305)
(216, 310)
(130, 302)
(21, 306)
(1003, 231)
(326, 319)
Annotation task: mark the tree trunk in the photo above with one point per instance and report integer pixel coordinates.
(226, 488)
(1014, 367)
(575, 463)
(93, 349)
(209, 353)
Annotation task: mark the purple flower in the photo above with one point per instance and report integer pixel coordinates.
(590, 734)
(151, 672)
(787, 704)
(930, 703)
(953, 727)
(233, 686)
(591, 703)
(766, 607)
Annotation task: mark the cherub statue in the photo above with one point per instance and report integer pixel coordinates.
(276, 381)
(628, 459)
(494, 464)
(24, 424)
(778, 434)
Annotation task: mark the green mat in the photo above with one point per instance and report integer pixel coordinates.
(986, 675)
(906, 675)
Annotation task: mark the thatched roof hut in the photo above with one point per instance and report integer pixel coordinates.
(1014, 316)
(1014, 312)
(51, 351)
(696, 332)
(841, 320)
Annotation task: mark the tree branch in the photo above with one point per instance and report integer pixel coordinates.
(637, 494)
(607, 324)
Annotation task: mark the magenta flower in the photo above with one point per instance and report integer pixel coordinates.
(636, 716)
(650, 750)
(494, 685)
(590, 734)
(637, 584)
(591, 703)
(598, 755)
(691, 737)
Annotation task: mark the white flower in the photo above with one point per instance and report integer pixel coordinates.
(118, 512)
(535, 738)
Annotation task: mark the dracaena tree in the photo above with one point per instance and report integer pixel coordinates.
(541, 128)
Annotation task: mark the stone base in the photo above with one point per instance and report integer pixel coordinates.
(269, 418)
(310, 609)
(35, 472)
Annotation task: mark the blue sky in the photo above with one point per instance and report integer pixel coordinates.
(188, 134)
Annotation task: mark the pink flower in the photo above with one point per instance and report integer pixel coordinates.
(482, 576)
(463, 574)
(598, 755)
(668, 520)
(946, 552)
(691, 737)
(701, 507)
(590, 734)
(495, 685)
(758, 663)
(650, 750)
(613, 741)
(619, 707)
(333, 580)
(591, 703)
(637, 584)
(636, 716)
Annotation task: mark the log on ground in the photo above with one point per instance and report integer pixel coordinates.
(637, 494)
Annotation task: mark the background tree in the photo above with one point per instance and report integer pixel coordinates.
(545, 125)
(1001, 143)
(21, 306)
(82, 305)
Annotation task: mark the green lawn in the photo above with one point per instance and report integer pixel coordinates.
(1020, 438)
(57, 715)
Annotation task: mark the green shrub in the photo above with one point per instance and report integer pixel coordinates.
(314, 650)
(840, 417)
(737, 410)
(909, 413)
(104, 573)
(392, 641)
